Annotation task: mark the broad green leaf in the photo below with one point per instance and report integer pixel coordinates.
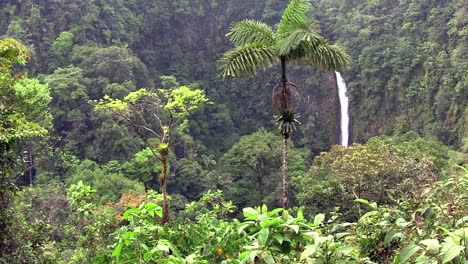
(451, 253)
(462, 220)
(300, 214)
(318, 219)
(244, 226)
(369, 214)
(402, 223)
(344, 250)
(431, 244)
(308, 251)
(274, 212)
(117, 251)
(144, 246)
(244, 254)
(279, 238)
(390, 236)
(408, 252)
(129, 212)
(269, 222)
(341, 235)
(162, 247)
(147, 255)
(263, 236)
(320, 240)
(249, 211)
(295, 228)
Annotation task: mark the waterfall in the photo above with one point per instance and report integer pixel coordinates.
(344, 120)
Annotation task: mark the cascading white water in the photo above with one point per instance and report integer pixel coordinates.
(344, 102)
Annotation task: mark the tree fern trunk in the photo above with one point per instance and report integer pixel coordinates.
(285, 172)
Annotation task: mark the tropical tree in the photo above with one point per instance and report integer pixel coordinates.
(22, 102)
(156, 115)
(297, 38)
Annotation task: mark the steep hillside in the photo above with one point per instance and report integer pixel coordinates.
(408, 73)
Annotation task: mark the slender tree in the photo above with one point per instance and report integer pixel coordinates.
(156, 115)
(297, 38)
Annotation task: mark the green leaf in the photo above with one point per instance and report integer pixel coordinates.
(392, 235)
(431, 244)
(295, 228)
(462, 220)
(263, 236)
(408, 252)
(117, 251)
(308, 251)
(279, 238)
(147, 255)
(300, 213)
(244, 254)
(244, 226)
(162, 247)
(451, 253)
(129, 212)
(362, 201)
(285, 216)
(249, 211)
(318, 219)
(369, 214)
(269, 222)
(274, 212)
(250, 31)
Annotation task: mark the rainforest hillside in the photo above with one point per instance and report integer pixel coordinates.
(408, 65)
(137, 131)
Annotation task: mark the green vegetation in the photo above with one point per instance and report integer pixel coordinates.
(122, 139)
(297, 39)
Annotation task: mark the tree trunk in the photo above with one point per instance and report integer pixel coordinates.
(163, 181)
(285, 172)
(283, 71)
(30, 164)
(261, 194)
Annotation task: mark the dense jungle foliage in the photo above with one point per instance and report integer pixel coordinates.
(122, 139)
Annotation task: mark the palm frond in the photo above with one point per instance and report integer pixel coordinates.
(305, 31)
(325, 55)
(243, 61)
(250, 31)
(295, 13)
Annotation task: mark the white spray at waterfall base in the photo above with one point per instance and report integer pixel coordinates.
(344, 102)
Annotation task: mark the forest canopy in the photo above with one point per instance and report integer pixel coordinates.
(208, 131)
